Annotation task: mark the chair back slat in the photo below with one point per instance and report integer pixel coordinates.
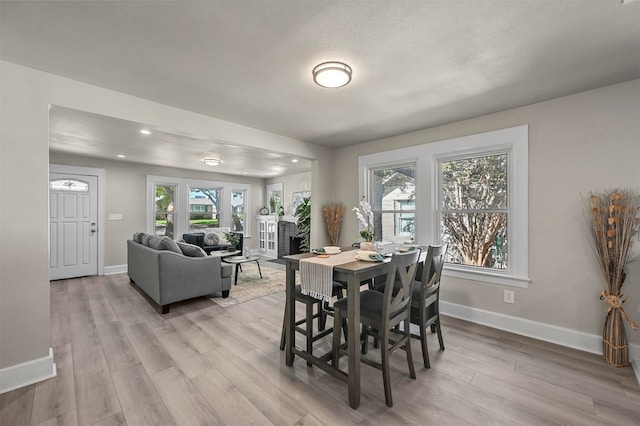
(397, 293)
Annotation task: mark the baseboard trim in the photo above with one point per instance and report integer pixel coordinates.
(27, 373)
(118, 269)
(546, 332)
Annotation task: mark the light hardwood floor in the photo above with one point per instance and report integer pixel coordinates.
(119, 362)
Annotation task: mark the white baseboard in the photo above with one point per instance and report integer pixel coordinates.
(118, 269)
(27, 373)
(537, 330)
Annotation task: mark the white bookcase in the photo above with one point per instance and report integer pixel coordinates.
(268, 235)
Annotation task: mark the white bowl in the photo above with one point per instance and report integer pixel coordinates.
(331, 249)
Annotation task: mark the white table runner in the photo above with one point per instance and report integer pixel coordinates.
(316, 273)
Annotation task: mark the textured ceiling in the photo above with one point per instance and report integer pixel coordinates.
(416, 64)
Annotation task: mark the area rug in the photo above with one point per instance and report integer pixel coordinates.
(251, 286)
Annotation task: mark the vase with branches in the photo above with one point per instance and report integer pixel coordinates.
(614, 220)
(333, 215)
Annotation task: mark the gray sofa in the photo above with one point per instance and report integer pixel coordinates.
(161, 270)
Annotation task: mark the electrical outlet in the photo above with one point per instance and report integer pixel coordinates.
(509, 296)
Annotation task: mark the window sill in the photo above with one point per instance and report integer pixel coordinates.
(486, 277)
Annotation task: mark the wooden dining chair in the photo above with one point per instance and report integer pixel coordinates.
(320, 314)
(382, 312)
(425, 300)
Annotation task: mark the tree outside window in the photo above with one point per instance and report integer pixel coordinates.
(164, 210)
(204, 209)
(238, 208)
(393, 203)
(474, 210)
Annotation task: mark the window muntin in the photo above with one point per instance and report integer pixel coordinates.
(392, 202)
(473, 209)
(238, 209)
(204, 208)
(71, 185)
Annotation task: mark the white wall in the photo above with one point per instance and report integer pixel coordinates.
(298, 182)
(579, 143)
(24, 158)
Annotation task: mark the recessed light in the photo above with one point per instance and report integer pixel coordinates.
(122, 156)
(295, 160)
(212, 161)
(245, 173)
(145, 132)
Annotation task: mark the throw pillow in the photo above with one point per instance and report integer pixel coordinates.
(154, 242)
(137, 237)
(211, 239)
(166, 243)
(222, 239)
(144, 240)
(191, 250)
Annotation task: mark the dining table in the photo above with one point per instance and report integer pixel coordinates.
(353, 272)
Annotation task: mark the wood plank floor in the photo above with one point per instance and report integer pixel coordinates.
(119, 362)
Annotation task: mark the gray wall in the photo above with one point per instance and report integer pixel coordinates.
(579, 143)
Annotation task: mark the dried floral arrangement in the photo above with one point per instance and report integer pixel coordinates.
(614, 220)
(333, 215)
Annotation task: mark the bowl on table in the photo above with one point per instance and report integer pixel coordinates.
(331, 249)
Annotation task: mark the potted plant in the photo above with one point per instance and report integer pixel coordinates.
(234, 240)
(365, 216)
(303, 220)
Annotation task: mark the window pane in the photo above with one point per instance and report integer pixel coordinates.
(393, 203)
(164, 214)
(478, 239)
(475, 183)
(238, 209)
(69, 185)
(204, 212)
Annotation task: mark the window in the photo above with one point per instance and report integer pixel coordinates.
(473, 210)
(238, 209)
(469, 192)
(176, 206)
(203, 209)
(69, 185)
(165, 196)
(392, 201)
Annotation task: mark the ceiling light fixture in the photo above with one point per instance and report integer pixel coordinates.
(145, 132)
(332, 74)
(212, 161)
(122, 156)
(295, 160)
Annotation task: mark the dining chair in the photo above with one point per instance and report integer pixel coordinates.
(425, 299)
(382, 312)
(322, 310)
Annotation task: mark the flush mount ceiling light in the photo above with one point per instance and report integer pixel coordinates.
(332, 74)
(212, 161)
(145, 132)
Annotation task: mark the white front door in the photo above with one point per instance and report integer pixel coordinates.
(73, 225)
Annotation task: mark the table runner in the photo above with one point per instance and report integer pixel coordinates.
(316, 273)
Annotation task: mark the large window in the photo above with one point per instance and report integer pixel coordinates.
(473, 210)
(177, 206)
(392, 201)
(469, 192)
(204, 205)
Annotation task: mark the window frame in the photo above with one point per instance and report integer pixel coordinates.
(513, 140)
(244, 204)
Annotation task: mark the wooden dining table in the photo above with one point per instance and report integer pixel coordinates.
(353, 273)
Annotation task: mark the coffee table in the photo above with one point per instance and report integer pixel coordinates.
(224, 253)
(239, 260)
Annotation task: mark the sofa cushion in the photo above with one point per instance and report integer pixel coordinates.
(137, 237)
(211, 239)
(144, 240)
(154, 242)
(191, 250)
(166, 243)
